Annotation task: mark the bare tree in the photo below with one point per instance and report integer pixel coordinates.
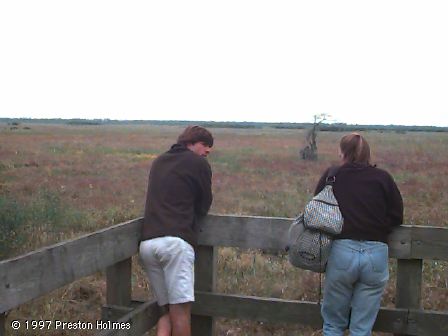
(309, 152)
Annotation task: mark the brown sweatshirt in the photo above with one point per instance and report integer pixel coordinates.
(369, 200)
(179, 192)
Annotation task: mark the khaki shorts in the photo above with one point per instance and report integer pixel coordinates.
(169, 264)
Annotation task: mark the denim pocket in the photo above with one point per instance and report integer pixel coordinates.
(379, 259)
(376, 270)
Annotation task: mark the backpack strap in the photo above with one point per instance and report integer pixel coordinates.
(331, 176)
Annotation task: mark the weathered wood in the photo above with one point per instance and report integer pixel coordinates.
(140, 320)
(429, 323)
(205, 280)
(114, 313)
(205, 268)
(392, 320)
(3, 324)
(412, 322)
(308, 313)
(270, 233)
(257, 308)
(400, 243)
(429, 243)
(118, 290)
(409, 284)
(244, 231)
(32, 275)
(37, 273)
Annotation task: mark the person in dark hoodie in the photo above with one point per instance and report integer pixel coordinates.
(357, 269)
(179, 194)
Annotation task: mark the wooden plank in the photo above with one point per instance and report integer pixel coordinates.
(118, 285)
(114, 313)
(257, 308)
(140, 320)
(206, 258)
(400, 243)
(37, 273)
(205, 280)
(434, 324)
(409, 285)
(393, 320)
(419, 322)
(2, 324)
(271, 233)
(244, 231)
(430, 243)
(308, 313)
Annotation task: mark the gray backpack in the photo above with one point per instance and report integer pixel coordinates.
(311, 233)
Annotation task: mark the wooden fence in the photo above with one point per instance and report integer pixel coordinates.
(39, 272)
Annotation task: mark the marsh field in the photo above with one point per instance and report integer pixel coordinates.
(58, 182)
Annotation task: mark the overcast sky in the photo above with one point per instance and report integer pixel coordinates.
(365, 62)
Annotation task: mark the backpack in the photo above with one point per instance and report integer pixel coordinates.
(310, 235)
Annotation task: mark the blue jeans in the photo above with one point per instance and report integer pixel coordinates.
(356, 274)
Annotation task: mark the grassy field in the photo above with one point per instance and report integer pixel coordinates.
(57, 182)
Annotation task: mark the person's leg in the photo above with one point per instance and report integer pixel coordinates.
(164, 324)
(341, 273)
(179, 276)
(180, 316)
(368, 291)
(150, 258)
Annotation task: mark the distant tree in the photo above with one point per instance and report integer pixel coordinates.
(309, 152)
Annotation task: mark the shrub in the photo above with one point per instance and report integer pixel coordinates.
(43, 221)
(12, 222)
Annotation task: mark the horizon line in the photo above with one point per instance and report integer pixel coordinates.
(213, 121)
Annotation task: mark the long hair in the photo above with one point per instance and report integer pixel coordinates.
(355, 149)
(193, 134)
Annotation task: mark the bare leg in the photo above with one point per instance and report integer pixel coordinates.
(164, 323)
(180, 315)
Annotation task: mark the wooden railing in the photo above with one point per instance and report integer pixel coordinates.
(37, 273)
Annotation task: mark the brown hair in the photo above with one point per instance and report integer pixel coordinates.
(355, 149)
(193, 134)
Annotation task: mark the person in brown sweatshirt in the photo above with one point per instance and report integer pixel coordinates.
(179, 194)
(357, 269)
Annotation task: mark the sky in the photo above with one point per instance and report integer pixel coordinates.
(362, 62)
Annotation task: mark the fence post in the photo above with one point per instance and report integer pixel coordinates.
(2, 324)
(409, 286)
(118, 290)
(205, 280)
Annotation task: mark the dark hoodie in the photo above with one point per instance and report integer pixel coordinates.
(369, 200)
(179, 193)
